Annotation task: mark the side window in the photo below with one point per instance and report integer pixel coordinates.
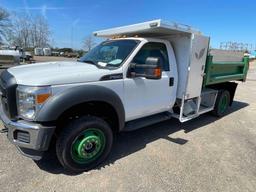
(153, 50)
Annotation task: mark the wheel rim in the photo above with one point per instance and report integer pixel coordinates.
(223, 104)
(88, 146)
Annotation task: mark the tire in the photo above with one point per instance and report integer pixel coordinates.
(222, 103)
(84, 143)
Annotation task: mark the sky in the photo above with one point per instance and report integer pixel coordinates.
(71, 21)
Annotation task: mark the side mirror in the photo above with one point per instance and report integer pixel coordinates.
(152, 69)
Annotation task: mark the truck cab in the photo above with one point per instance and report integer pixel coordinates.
(142, 74)
(160, 90)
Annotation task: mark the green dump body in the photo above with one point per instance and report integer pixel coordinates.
(219, 72)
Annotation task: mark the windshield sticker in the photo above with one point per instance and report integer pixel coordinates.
(115, 62)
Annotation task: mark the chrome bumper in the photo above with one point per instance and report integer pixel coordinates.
(39, 135)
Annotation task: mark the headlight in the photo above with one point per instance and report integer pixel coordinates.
(31, 99)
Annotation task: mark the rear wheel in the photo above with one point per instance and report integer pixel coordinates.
(84, 143)
(222, 103)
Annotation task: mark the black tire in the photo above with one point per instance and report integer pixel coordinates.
(71, 132)
(219, 109)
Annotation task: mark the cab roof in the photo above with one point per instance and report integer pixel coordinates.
(147, 29)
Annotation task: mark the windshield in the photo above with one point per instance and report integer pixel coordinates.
(111, 53)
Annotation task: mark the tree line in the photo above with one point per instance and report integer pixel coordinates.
(30, 31)
(23, 30)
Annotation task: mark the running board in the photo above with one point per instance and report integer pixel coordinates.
(146, 121)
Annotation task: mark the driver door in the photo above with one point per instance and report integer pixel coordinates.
(143, 96)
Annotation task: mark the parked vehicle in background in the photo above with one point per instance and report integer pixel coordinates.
(55, 53)
(42, 51)
(28, 56)
(38, 51)
(71, 54)
(9, 57)
(47, 51)
(25, 55)
(143, 74)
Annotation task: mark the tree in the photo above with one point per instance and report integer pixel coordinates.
(30, 32)
(40, 32)
(4, 23)
(20, 32)
(89, 43)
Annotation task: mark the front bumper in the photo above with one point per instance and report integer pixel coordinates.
(30, 138)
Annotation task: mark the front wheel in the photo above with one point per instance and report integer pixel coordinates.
(84, 143)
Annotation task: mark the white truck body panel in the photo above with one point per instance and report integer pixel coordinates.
(148, 29)
(181, 45)
(190, 51)
(197, 63)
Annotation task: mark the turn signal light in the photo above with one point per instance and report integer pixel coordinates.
(42, 98)
(157, 72)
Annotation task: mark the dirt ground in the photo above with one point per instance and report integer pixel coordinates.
(205, 154)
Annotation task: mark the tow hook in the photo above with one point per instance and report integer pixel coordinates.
(5, 130)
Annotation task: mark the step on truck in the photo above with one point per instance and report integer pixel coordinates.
(142, 74)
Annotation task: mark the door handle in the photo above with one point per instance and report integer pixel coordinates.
(171, 81)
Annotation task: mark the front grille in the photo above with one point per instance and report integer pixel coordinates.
(8, 87)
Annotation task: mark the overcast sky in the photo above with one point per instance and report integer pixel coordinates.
(71, 20)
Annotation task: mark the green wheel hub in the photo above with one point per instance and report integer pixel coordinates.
(88, 146)
(223, 103)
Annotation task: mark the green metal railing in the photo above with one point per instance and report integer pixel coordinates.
(219, 72)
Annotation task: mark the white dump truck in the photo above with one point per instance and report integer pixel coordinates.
(143, 74)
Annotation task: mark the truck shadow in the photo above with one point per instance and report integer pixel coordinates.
(128, 143)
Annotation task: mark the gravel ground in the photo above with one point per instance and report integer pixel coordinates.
(205, 154)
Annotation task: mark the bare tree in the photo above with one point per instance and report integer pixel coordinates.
(20, 34)
(4, 23)
(40, 33)
(89, 42)
(30, 32)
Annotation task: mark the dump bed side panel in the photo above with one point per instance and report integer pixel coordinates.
(220, 55)
(224, 71)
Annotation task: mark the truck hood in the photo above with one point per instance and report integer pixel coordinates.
(53, 73)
